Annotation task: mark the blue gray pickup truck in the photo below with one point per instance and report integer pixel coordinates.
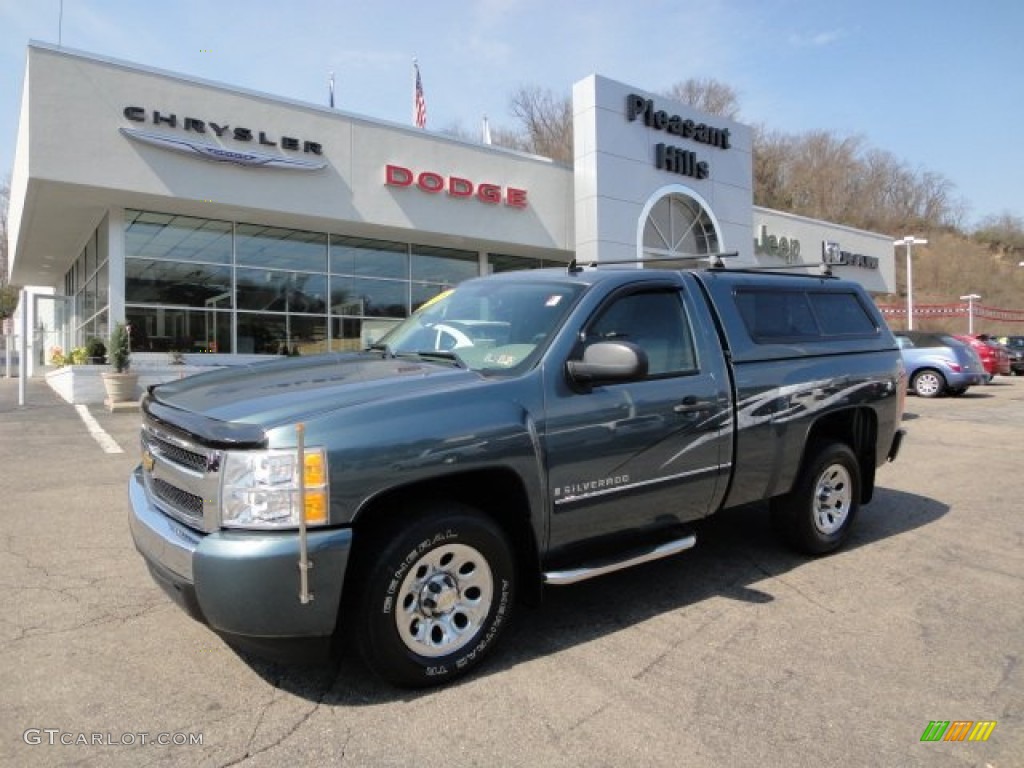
(522, 431)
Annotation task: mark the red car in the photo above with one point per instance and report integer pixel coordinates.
(994, 357)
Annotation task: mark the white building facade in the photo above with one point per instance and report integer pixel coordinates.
(221, 221)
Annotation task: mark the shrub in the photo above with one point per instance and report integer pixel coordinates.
(120, 348)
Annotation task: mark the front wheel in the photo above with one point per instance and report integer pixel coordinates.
(436, 597)
(816, 515)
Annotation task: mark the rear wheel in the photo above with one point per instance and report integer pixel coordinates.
(928, 383)
(816, 515)
(436, 597)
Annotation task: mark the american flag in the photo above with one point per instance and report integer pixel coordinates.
(419, 103)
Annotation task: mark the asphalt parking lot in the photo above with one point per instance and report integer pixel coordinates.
(737, 653)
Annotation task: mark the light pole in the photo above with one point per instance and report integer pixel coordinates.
(910, 241)
(970, 298)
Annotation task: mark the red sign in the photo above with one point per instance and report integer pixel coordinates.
(454, 186)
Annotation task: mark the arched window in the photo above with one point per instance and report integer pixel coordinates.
(678, 225)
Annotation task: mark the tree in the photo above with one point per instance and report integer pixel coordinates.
(708, 95)
(8, 293)
(546, 121)
(1003, 232)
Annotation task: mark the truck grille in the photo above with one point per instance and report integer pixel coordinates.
(182, 501)
(175, 453)
(182, 476)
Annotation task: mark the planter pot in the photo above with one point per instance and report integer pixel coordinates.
(120, 386)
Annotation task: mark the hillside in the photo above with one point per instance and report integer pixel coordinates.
(951, 266)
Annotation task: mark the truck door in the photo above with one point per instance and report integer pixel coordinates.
(632, 456)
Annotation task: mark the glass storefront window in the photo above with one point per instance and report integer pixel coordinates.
(369, 258)
(90, 256)
(166, 329)
(369, 298)
(103, 285)
(190, 283)
(500, 262)
(177, 238)
(443, 265)
(423, 292)
(272, 291)
(260, 246)
(353, 334)
(184, 284)
(281, 334)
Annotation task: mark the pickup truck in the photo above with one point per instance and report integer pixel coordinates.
(520, 431)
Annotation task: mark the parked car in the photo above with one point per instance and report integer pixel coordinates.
(1015, 348)
(993, 356)
(939, 364)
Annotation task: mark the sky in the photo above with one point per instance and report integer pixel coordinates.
(940, 86)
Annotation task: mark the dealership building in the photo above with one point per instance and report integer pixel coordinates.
(231, 223)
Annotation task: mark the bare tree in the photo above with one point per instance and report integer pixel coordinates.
(8, 293)
(5, 201)
(1004, 232)
(547, 124)
(708, 95)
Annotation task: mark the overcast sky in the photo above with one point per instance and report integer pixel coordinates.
(939, 85)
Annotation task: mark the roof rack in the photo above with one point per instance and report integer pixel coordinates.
(714, 261)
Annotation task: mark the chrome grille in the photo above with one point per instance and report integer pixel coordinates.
(186, 458)
(182, 476)
(181, 501)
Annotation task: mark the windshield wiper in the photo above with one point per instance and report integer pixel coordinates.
(381, 347)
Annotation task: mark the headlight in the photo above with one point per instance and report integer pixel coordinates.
(260, 489)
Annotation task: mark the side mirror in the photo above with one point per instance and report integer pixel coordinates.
(608, 361)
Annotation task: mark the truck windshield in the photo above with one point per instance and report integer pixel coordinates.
(488, 326)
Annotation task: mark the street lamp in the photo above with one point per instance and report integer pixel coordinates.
(910, 241)
(970, 299)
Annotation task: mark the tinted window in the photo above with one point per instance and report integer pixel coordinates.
(795, 315)
(841, 314)
(654, 321)
(777, 315)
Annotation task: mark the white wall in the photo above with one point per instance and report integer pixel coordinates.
(616, 175)
(876, 272)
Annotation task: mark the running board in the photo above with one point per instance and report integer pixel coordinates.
(574, 575)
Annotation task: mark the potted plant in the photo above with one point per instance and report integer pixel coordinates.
(120, 383)
(96, 351)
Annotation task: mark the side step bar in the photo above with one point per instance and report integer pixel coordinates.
(574, 575)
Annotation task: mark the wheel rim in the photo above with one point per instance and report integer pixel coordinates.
(833, 499)
(444, 600)
(927, 384)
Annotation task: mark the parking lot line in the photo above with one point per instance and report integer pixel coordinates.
(107, 443)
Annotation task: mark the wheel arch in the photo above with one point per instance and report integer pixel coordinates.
(857, 428)
(497, 492)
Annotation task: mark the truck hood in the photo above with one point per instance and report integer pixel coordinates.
(293, 389)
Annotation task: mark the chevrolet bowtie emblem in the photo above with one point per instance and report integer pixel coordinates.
(148, 461)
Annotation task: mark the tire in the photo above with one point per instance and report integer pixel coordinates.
(436, 598)
(816, 515)
(928, 383)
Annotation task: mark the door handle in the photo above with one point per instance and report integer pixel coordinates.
(689, 404)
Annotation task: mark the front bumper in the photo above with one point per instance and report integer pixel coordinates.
(243, 584)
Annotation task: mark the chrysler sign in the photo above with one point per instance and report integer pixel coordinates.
(197, 141)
